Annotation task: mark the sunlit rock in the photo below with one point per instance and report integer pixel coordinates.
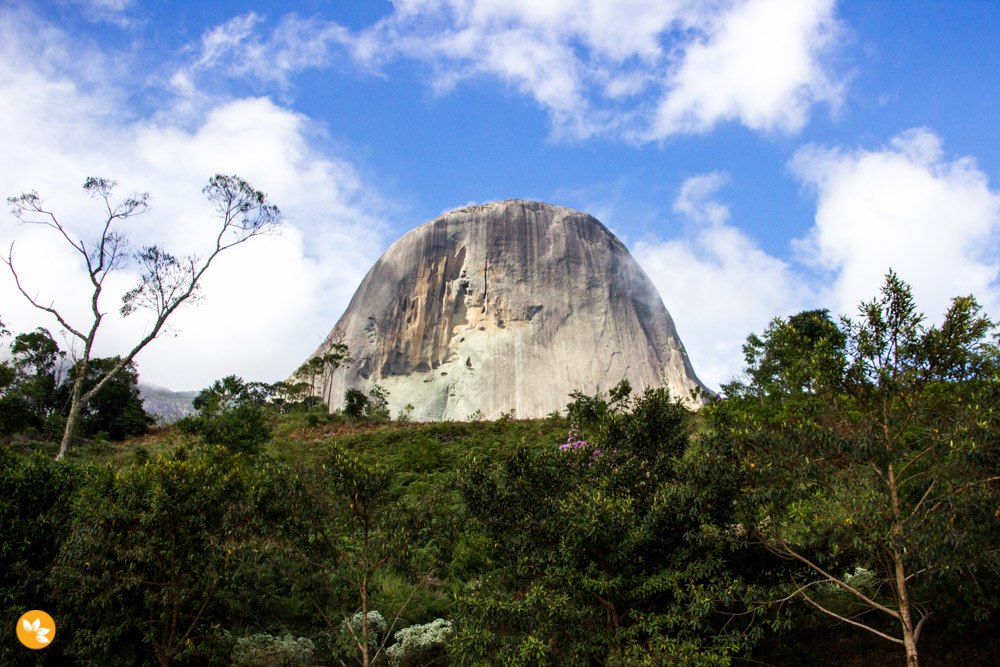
(506, 306)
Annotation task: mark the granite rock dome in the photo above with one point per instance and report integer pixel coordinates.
(506, 306)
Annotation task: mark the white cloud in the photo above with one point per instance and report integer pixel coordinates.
(717, 283)
(759, 63)
(643, 69)
(238, 48)
(110, 11)
(906, 206)
(267, 303)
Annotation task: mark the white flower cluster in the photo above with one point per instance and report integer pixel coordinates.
(376, 627)
(263, 650)
(419, 644)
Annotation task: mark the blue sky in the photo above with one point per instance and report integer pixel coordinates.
(758, 157)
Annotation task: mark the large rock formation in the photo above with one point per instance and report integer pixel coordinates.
(506, 306)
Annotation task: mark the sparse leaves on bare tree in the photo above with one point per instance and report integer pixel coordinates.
(165, 281)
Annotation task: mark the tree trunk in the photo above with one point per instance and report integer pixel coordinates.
(905, 615)
(162, 658)
(906, 618)
(75, 409)
(364, 620)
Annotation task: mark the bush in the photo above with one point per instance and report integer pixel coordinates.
(373, 407)
(115, 578)
(421, 644)
(263, 650)
(406, 414)
(243, 429)
(377, 626)
(36, 495)
(355, 404)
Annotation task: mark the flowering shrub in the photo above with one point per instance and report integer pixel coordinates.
(376, 627)
(575, 443)
(420, 644)
(263, 650)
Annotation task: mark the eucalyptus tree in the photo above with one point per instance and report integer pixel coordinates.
(166, 281)
(333, 354)
(872, 444)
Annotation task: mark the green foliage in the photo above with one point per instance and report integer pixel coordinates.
(28, 382)
(350, 532)
(355, 404)
(243, 429)
(264, 650)
(590, 551)
(586, 410)
(232, 414)
(152, 549)
(633, 556)
(36, 359)
(333, 355)
(371, 407)
(793, 356)
(32, 398)
(405, 413)
(35, 500)
(378, 404)
(222, 395)
(15, 412)
(872, 444)
(117, 409)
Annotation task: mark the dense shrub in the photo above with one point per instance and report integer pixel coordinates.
(421, 645)
(263, 650)
(593, 552)
(36, 497)
(153, 549)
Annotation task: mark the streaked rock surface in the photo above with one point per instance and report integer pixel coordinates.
(506, 306)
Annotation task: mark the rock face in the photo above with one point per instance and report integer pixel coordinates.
(506, 306)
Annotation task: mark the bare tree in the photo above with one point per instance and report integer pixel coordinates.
(165, 281)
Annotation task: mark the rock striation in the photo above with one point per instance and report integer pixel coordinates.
(503, 307)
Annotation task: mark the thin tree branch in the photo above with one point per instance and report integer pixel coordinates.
(829, 577)
(912, 461)
(10, 263)
(922, 499)
(847, 620)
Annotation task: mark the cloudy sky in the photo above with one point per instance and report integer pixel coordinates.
(759, 157)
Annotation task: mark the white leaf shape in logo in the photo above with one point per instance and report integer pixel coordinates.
(27, 626)
(43, 631)
(34, 626)
(42, 639)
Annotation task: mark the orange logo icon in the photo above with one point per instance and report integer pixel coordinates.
(36, 629)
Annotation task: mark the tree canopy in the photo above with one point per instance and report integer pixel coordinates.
(872, 444)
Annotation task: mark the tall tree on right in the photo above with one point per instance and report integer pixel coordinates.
(873, 444)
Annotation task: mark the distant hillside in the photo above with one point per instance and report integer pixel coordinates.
(168, 406)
